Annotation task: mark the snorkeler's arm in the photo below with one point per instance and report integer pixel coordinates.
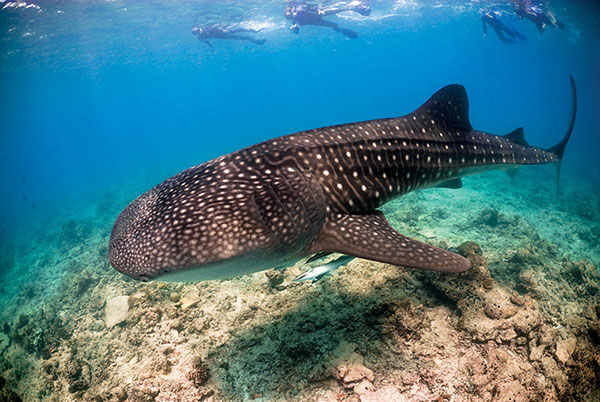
(484, 26)
(208, 43)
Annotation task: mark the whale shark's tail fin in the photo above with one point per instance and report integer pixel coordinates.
(559, 149)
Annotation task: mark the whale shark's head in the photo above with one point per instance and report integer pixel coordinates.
(214, 221)
(134, 247)
(161, 236)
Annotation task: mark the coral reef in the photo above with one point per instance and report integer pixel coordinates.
(522, 324)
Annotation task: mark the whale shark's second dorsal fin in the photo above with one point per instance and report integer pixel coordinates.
(447, 108)
(517, 136)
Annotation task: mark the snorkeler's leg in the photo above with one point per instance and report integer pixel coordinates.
(347, 32)
(241, 30)
(500, 33)
(247, 38)
(246, 30)
(539, 25)
(518, 35)
(513, 34)
(323, 23)
(554, 21)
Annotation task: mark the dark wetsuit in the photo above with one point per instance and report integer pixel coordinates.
(505, 33)
(303, 13)
(231, 31)
(535, 12)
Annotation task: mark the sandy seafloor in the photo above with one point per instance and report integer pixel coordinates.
(522, 324)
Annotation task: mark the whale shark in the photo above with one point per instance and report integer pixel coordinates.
(315, 192)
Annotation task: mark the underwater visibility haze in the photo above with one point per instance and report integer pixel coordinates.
(269, 142)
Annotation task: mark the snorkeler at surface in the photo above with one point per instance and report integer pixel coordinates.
(230, 31)
(308, 13)
(505, 33)
(535, 11)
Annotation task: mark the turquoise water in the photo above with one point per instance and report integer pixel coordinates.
(101, 100)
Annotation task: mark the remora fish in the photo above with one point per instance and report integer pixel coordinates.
(315, 191)
(319, 271)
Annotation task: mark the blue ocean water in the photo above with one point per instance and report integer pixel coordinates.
(101, 100)
(100, 96)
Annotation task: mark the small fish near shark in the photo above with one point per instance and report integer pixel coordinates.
(315, 273)
(312, 193)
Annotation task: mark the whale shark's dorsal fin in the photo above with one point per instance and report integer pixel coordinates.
(448, 108)
(370, 236)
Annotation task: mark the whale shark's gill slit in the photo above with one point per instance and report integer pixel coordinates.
(262, 207)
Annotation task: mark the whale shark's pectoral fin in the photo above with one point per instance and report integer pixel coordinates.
(371, 237)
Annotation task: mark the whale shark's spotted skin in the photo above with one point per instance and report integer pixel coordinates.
(313, 191)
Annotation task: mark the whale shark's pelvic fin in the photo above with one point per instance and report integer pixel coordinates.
(454, 184)
(370, 236)
(518, 137)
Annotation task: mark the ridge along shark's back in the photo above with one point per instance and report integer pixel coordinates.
(313, 192)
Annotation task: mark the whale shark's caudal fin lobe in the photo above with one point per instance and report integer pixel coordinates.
(559, 149)
(447, 108)
(370, 236)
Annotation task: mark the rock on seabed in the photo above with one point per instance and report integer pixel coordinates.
(116, 310)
